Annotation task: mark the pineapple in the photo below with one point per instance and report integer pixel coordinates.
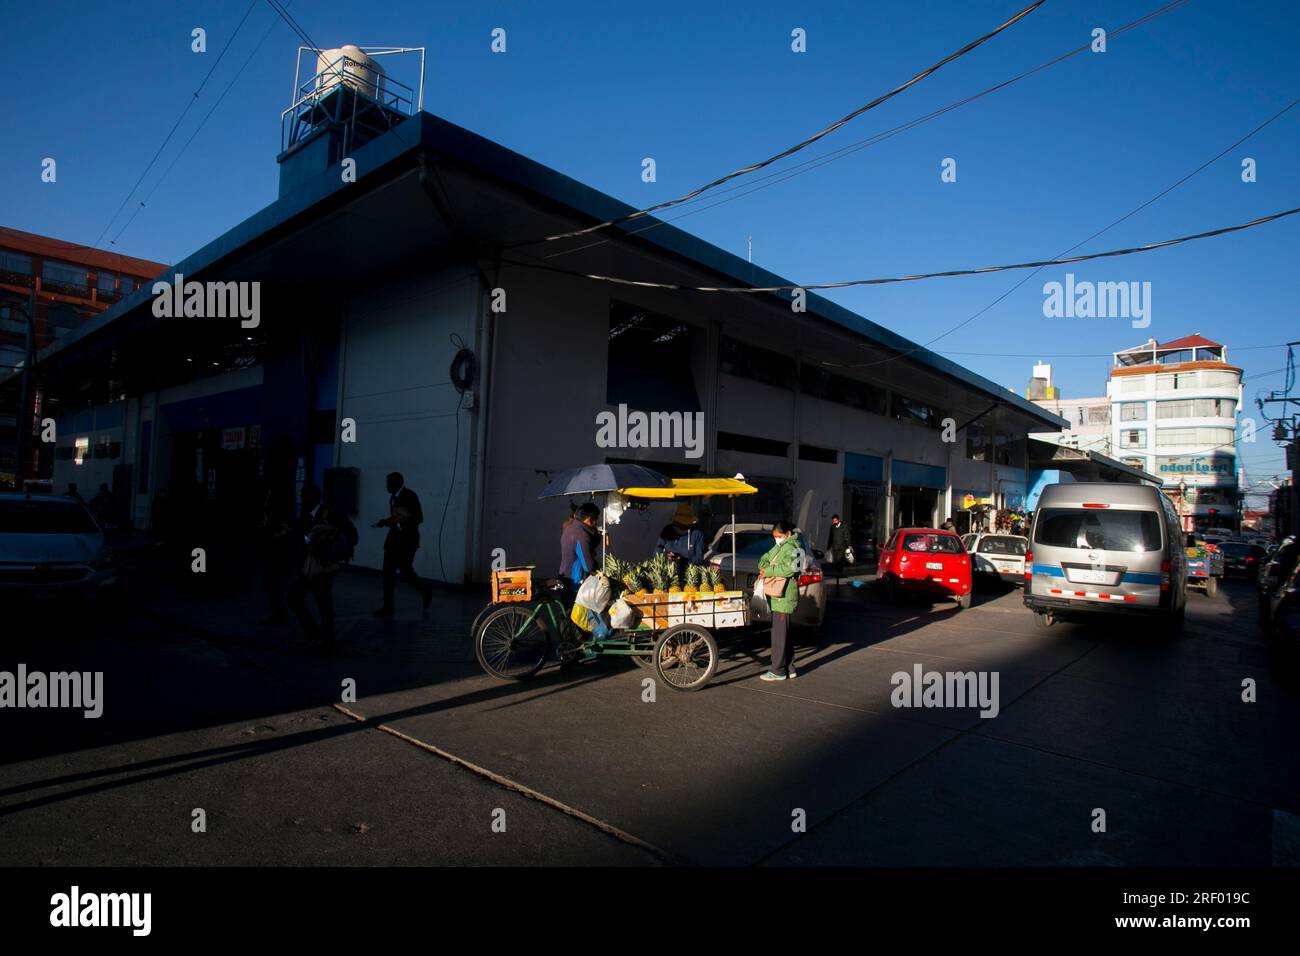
(661, 574)
(694, 578)
(633, 577)
(715, 580)
(613, 570)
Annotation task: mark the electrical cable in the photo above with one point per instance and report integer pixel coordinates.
(798, 146)
(848, 283)
(784, 175)
(175, 126)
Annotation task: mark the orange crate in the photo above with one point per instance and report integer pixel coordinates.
(513, 584)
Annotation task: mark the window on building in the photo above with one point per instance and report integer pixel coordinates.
(1215, 379)
(127, 284)
(824, 384)
(1098, 414)
(978, 446)
(1201, 437)
(65, 274)
(649, 364)
(1136, 463)
(1130, 384)
(18, 263)
(1009, 450)
(1133, 438)
(1197, 408)
(918, 413)
(1133, 412)
(759, 364)
(105, 283)
(753, 445)
(61, 319)
(1170, 358)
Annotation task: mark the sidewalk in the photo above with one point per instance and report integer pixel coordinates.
(232, 608)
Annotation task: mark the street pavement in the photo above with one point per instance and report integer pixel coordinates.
(435, 763)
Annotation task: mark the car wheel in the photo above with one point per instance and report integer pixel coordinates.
(964, 601)
(1044, 619)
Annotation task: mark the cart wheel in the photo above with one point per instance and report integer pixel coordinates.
(646, 661)
(686, 655)
(508, 645)
(1211, 586)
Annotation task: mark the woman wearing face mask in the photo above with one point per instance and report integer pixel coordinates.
(781, 563)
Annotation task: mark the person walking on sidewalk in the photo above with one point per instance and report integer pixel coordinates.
(836, 544)
(403, 524)
(778, 577)
(329, 540)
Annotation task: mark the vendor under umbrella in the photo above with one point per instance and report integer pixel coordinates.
(682, 539)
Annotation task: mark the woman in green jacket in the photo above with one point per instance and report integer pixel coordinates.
(784, 560)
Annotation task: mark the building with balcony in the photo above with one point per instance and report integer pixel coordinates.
(1174, 408)
(60, 286)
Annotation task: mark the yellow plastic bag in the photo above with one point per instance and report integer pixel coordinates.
(580, 616)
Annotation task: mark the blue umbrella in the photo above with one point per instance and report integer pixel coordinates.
(592, 479)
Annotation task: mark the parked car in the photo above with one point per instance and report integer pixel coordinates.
(1205, 565)
(51, 548)
(1241, 559)
(752, 542)
(926, 561)
(1106, 548)
(1276, 571)
(998, 556)
(1283, 629)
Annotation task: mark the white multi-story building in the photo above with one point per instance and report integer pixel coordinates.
(1174, 409)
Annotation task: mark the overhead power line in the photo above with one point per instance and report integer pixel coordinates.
(848, 283)
(775, 178)
(789, 151)
(176, 125)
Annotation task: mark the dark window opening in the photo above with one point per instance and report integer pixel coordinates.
(829, 456)
(730, 441)
(918, 413)
(650, 361)
(759, 364)
(828, 386)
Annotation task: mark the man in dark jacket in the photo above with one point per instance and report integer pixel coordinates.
(403, 524)
(837, 544)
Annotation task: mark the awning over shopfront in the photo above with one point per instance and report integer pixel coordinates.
(1083, 464)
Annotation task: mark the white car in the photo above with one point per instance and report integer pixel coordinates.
(1000, 556)
(51, 548)
(752, 542)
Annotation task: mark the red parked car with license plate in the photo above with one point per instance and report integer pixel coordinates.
(925, 561)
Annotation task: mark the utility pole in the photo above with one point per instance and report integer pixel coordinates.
(1286, 428)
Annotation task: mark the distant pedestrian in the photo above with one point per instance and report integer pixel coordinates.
(281, 555)
(837, 544)
(948, 524)
(101, 506)
(328, 541)
(403, 540)
(778, 571)
(73, 493)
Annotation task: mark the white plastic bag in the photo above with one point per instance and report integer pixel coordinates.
(593, 593)
(622, 615)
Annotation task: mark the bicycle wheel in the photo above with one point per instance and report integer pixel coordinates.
(511, 643)
(686, 656)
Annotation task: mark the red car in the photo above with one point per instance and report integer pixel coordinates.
(925, 561)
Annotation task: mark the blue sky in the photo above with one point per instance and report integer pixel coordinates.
(592, 88)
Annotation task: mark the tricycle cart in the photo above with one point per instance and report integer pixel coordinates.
(674, 632)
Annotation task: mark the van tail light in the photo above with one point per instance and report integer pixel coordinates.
(813, 578)
(1029, 565)
(1165, 568)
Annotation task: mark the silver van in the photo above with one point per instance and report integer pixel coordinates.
(1099, 547)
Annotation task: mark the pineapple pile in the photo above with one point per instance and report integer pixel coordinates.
(715, 579)
(695, 575)
(662, 576)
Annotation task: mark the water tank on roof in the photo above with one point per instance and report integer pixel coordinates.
(349, 66)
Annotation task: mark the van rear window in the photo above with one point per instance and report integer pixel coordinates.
(1097, 529)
